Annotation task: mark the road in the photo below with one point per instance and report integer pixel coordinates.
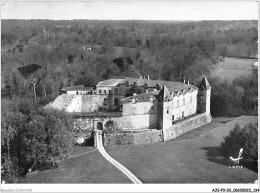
(122, 168)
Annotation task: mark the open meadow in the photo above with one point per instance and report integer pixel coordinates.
(233, 68)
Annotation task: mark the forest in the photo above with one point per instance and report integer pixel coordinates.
(76, 52)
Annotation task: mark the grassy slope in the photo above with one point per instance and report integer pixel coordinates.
(194, 160)
(88, 168)
(233, 68)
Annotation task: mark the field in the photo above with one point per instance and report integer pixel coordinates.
(233, 68)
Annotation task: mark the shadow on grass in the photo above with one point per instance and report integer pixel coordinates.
(216, 155)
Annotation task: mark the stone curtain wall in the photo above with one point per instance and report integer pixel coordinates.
(142, 137)
(184, 126)
(111, 139)
(135, 122)
(148, 137)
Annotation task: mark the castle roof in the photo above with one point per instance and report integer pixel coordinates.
(204, 83)
(111, 82)
(141, 97)
(172, 86)
(77, 87)
(165, 93)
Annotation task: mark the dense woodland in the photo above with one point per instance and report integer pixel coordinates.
(39, 57)
(87, 51)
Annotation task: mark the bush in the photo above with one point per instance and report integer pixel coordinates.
(111, 126)
(246, 138)
(32, 138)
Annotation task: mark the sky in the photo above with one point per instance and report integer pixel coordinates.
(131, 10)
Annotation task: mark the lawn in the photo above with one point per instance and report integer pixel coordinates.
(191, 158)
(194, 160)
(233, 68)
(86, 168)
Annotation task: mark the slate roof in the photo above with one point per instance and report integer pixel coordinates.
(141, 97)
(111, 82)
(165, 93)
(172, 86)
(78, 87)
(205, 83)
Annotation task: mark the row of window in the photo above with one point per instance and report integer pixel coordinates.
(108, 91)
(183, 101)
(116, 101)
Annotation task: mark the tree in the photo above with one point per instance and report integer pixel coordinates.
(242, 137)
(29, 73)
(33, 137)
(222, 51)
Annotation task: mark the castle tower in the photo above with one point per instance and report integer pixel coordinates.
(164, 111)
(204, 94)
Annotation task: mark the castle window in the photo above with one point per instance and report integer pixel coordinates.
(77, 92)
(167, 110)
(109, 91)
(172, 118)
(99, 91)
(116, 90)
(116, 101)
(178, 103)
(182, 114)
(190, 99)
(105, 101)
(201, 98)
(183, 101)
(105, 91)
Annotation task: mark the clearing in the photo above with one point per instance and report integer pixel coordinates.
(233, 68)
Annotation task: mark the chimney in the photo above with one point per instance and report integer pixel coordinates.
(183, 80)
(188, 82)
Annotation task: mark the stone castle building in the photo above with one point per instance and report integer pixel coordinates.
(136, 103)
